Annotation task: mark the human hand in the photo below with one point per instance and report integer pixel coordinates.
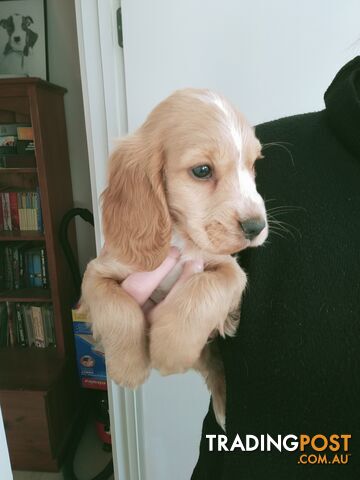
(141, 285)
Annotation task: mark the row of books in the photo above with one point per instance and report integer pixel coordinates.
(26, 325)
(23, 266)
(17, 139)
(20, 211)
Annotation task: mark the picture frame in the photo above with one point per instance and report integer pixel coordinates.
(23, 39)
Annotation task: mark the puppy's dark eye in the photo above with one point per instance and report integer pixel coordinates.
(202, 171)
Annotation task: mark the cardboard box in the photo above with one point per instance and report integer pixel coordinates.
(89, 355)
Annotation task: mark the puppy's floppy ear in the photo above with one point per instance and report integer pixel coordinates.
(4, 22)
(31, 38)
(28, 21)
(136, 220)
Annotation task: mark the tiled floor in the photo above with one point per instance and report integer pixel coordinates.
(90, 459)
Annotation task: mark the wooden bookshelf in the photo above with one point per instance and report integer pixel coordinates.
(39, 389)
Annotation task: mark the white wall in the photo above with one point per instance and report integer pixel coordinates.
(64, 70)
(271, 58)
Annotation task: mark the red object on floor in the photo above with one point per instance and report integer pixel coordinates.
(103, 434)
(103, 418)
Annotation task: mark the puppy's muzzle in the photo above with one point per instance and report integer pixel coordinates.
(252, 227)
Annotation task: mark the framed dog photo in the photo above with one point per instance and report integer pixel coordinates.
(23, 38)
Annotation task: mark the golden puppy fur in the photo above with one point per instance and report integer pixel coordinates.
(155, 200)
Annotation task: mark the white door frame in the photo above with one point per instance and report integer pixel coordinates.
(5, 467)
(104, 95)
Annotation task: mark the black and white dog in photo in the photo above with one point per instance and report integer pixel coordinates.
(21, 40)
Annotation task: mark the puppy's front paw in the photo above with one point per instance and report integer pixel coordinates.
(169, 363)
(128, 367)
(170, 357)
(171, 350)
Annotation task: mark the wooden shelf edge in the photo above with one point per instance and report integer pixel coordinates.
(36, 295)
(31, 170)
(32, 81)
(24, 235)
(18, 170)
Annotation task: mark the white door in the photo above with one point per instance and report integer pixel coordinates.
(271, 59)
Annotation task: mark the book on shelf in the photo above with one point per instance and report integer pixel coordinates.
(11, 129)
(23, 265)
(17, 138)
(20, 211)
(27, 325)
(5, 204)
(20, 325)
(36, 267)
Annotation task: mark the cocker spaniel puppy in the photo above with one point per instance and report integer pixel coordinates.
(185, 178)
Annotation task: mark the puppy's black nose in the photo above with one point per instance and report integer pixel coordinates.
(252, 227)
(17, 39)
